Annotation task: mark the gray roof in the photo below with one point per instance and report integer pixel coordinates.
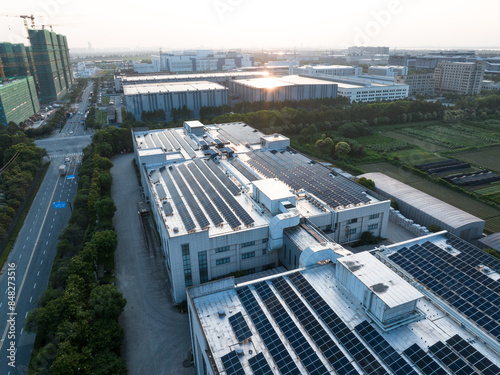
(444, 212)
(492, 241)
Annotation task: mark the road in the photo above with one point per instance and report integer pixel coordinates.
(35, 248)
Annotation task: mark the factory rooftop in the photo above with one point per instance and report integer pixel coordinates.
(309, 321)
(159, 78)
(272, 82)
(204, 179)
(165, 87)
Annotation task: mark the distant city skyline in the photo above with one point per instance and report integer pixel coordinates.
(257, 24)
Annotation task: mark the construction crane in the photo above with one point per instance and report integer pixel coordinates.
(25, 18)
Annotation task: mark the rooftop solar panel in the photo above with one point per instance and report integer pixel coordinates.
(240, 327)
(223, 178)
(423, 361)
(482, 364)
(259, 365)
(232, 364)
(451, 360)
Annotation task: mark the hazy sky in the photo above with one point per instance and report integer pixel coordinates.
(261, 23)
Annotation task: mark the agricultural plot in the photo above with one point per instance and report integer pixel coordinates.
(379, 143)
(454, 136)
(481, 210)
(423, 144)
(487, 158)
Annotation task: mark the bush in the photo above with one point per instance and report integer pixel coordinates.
(366, 182)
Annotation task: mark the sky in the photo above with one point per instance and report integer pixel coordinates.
(260, 24)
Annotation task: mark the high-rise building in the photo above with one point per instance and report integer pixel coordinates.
(18, 100)
(14, 60)
(460, 77)
(53, 68)
(422, 84)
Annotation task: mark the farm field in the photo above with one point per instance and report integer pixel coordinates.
(487, 158)
(427, 146)
(453, 136)
(481, 210)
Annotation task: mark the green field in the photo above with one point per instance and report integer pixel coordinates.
(428, 146)
(453, 136)
(487, 158)
(481, 210)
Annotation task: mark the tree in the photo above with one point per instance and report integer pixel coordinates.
(105, 208)
(370, 184)
(108, 363)
(434, 228)
(107, 302)
(104, 242)
(342, 148)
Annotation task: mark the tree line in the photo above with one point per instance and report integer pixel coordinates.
(76, 319)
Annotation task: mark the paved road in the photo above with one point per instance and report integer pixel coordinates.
(157, 339)
(35, 247)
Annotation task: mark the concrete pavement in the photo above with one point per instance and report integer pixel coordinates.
(157, 338)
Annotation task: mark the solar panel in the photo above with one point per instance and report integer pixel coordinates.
(259, 365)
(423, 361)
(188, 196)
(346, 337)
(297, 341)
(228, 197)
(473, 255)
(218, 201)
(183, 144)
(244, 171)
(191, 142)
(224, 179)
(178, 202)
(465, 288)
(482, 364)
(165, 141)
(232, 364)
(317, 333)
(384, 350)
(272, 341)
(202, 197)
(160, 191)
(240, 327)
(167, 208)
(451, 360)
(172, 140)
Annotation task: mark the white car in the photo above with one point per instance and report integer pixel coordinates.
(71, 132)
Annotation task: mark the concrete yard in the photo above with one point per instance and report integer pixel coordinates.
(157, 338)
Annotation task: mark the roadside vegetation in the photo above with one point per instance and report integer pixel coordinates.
(76, 319)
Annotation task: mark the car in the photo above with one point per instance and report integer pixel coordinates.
(71, 132)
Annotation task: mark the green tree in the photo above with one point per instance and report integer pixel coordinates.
(105, 242)
(105, 208)
(366, 182)
(107, 302)
(342, 148)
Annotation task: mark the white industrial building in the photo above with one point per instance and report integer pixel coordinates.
(173, 95)
(278, 89)
(427, 210)
(388, 70)
(368, 313)
(329, 70)
(224, 195)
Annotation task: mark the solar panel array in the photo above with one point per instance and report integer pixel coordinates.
(202, 197)
(240, 327)
(473, 255)
(179, 204)
(384, 350)
(298, 342)
(166, 144)
(232, 364)
(423, 361)
(189, 197)
(239, 133)
(259, 365)
(214, 197)
(271, 340)
(318, 334)
(456, 281)
(160, 191)
(228, 197)
(344, 335)
(222, 176)
(172, 140)
(451, 360)
(167, 208)
(183, 144)
(191, 142)
(298, 174)
(482, 364)
(244, 171)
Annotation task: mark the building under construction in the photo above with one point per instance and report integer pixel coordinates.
(53, 68)
(18, 100)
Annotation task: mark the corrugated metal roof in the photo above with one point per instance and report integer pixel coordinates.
(434, 207)
(384, 282)
(492, 241)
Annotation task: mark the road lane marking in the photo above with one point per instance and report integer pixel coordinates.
(34, 286)
(38, 273)
(25, 316)
(31, 298)
(49, 234)
(20, 255)
(46, 243)
(2, 340)
(41, 262)
(44, 251)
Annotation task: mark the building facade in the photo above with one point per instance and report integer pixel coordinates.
(18, 100)
(387, 71)
(459, 78)
(422, 84)
(329, 70)
(14, 60)
(53, 67)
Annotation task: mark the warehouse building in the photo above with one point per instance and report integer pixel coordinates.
(224, 195)
(490, 242)
(368, 313)
(173, 96)
(279, 89)
(18, 100)
(329, 70)
(427, 210)
(387, 70)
